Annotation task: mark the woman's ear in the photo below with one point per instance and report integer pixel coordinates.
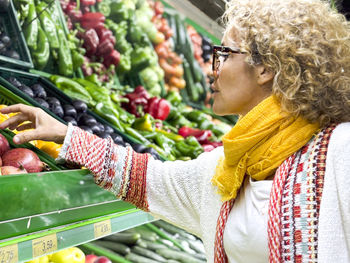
(264, 75)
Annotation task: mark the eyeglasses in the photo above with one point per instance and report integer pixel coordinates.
(220, 54)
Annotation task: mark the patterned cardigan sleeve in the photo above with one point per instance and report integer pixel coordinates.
(176, 191)
(117, 169)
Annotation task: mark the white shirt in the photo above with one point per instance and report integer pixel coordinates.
(245, 235)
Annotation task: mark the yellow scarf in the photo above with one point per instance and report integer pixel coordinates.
(258, 144)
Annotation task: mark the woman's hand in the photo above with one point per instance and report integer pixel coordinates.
(45, 127)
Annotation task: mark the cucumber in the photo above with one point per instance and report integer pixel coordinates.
(142, 243)
(124, 238)
(172, 261)
(145, 233)
(138, 259)
(163, 235)
(100, 251)
(150, 245)
(177, 255)
(116, 247)
(169, 228)
(147, 253)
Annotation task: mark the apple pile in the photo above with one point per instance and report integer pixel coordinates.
(91, 258)
(18, 160)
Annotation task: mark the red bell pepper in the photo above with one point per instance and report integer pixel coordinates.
(92, 20)
(202, 136)
(91, 41)
(137, 100)
(87, 2)
(104, 48)
(112, 58)
(104, 33)
(158, 108)
(73, 12)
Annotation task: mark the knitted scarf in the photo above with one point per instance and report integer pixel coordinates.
(258, 144)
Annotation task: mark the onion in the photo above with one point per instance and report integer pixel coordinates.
(23, 158)
(5, 170)
(4, 145)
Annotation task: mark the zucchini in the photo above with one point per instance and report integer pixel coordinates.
(116, 247)
(190, 87)
(197, 246)
(165, 236)
(142, 243)
(177, 255)
(100, 251)
(135, 258)
(124, 238)
(147, 253)
(151, 245)
(172, 261)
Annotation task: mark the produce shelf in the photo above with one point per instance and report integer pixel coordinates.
(26, 247)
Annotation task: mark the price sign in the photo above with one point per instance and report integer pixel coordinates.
(9, 254)
(102, 228)
(44, 245)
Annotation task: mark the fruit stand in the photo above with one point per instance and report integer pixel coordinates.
(134, 70)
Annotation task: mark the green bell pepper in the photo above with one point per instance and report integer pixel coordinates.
(30, 27)
(42, 53)
(48, 25)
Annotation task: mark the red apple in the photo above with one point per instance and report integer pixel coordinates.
(90, 258)
(102, 260)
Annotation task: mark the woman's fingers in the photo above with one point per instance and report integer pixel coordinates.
(17, 108)
(28, 136)
(13, 122)
(26, 126)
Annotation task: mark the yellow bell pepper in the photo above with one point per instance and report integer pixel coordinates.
(71, 255)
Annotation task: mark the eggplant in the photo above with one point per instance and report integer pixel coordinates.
(11, 54)
(57, 110)
(86, 128)
(139, 148)
(80, 106)
(39, 91)
(87, 120)
(5, 39)
(28, 91)
(153, 152)
(4, 4)
(95, 129)
(42, 103)
(108, 129)
(101, 126)
(2, 46)
(15, 82)
(69, 110)
(53, 101)
(117, 139)
(71, 120)
(103, 135)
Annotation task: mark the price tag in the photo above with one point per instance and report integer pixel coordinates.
(44, 245)
(102, 228)
(9, 254)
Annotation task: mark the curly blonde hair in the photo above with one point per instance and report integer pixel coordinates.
(306, 44)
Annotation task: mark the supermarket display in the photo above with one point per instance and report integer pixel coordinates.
(132, 70)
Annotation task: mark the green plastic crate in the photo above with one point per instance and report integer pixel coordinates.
(52, 91)
(9, 22)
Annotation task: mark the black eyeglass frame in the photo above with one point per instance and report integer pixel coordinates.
(223, 49)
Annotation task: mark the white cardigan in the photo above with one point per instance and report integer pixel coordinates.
(182, 194)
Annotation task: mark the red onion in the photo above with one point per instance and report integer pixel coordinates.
(5, 170)
(4, 145)
(23, 158)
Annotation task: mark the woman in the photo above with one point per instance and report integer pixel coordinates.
(278, 190)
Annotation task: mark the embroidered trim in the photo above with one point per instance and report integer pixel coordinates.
(67, 141)
(136, 192)
(219, 251)
(294, 221)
